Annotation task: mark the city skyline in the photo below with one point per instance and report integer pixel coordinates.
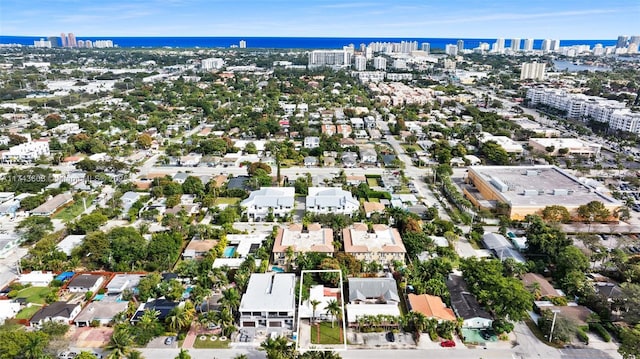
(328, 18)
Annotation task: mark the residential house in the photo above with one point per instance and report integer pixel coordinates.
(69, 243)
(83, 283)
(322, 294)
(180, 177)
(8, 242)
(311, 142)
(347, 142)
(312, 239)
(36, 278)
(368, 155)
(328, 161)
(59, 312)
(278, 201)
(269, 302)
(372, 296)
(197, 248)
(538, 284)
(382, 244)
(357, 123)
(160, 305)
(102, 312)
(311, 161)
(579, 315)
(121, 282)
(344, 130)
(26, 152)
(349, 159)
(51, 206)
(129, 198)
(501, 247)
(373, 207)
(328, 129)
(466, 306)
(430, 306)
(323, 200)
(8, 309)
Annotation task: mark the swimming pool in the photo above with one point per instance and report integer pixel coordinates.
(229, 252)
(277, 269)
(511, 235)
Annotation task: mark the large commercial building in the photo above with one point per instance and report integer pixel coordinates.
(529, 189)
(528, 45)
(360, 63)
(329, 58)
(379, 63)
(533, 71)
(214, 63)
(573, 146)
(515, 45)
(583, 107)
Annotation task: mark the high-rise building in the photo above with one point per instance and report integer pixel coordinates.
(63, 40)
(213, 63)
(331, 58)
(460, 45)
(632, 48)
(528, 45)
(54, 41)
(72, 40)
(532, 70)
(598, 50)
(451, 50)
(515, 45)
(379, 63)
(243, 44)
(622, 41)
(426, 47)
(42, 43)
(498, 46)
(546, 45)
(360, 63)
(88, 44)
(81, 43)
(634, 39)
(555, 45)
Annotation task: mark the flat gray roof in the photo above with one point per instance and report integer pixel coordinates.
(539, 186)
(269, 292)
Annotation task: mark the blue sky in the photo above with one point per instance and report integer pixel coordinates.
(563, 19)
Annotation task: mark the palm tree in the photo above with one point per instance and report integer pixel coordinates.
(333, 309)
(120, 343)
(278, 348)
(134, 354)
(314, 304)
(184, 354)
(224, 318)
(230, 299)
(181, 317)
(35, 345)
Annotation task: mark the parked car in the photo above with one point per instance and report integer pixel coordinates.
(447, 344)
(168, 341)
(485, 335)
(391, 337)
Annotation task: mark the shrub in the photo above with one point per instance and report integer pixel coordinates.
(559, 301)
(12, 294)
(182, 335)
(502, 326)
(56, 283)
(601, 331)
(582, 336)
(94, 323)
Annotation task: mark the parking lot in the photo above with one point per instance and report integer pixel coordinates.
(382, 340)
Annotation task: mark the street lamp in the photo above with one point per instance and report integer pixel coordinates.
(553, 323)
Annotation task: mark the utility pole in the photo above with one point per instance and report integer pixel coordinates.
(553, 324)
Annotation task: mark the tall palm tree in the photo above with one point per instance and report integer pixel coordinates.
(230, 299)
(333, 309)
(35, 345)
(224, 318)
(278, 348)
(314, 304)
(120, 343)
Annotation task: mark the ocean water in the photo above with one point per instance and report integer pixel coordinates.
(288, 42)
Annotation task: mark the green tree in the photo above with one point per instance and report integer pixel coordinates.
(556, 213)
(88, 223)
(33, 228)
(184, 354)
(630, 339)
(120, 343)
(333, 309)
(594, 211)
(193, 185)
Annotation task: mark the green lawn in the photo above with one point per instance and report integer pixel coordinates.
(34, 294)
(28, 312)
(226, 200)
(209, 344)
(73, 210)
(328, 335)
(372, 182)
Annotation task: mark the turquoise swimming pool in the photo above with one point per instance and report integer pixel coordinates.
(277, 269)
(511, 235)
(229, 252)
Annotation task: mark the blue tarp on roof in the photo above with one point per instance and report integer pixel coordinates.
(64, 276)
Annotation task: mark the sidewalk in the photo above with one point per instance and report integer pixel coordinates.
(190, 339)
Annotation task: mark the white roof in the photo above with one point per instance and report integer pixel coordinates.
(269, 292)
(271, 197)
(329, 197)
(231, 262)
(70, 242)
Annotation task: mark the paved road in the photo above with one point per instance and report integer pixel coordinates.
(416, 174)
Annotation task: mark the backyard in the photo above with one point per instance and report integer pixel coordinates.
(70, 212)
(34, 294)
(28, 312)
(226, 200)
(327, 334)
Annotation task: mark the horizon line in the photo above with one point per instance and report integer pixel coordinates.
(310, 37)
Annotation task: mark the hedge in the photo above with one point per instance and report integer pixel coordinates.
(599, 329)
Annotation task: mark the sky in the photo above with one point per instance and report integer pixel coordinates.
(561, 19)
